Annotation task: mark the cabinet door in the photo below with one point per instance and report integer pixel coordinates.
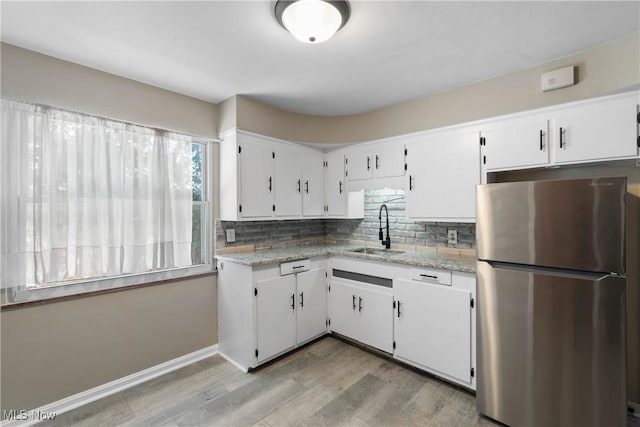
(388, 159)
(376, 319)
(516, 144)
(312, 183)
(288, 181)
(343, 305)
(256, 177)
(433, 327)
(312, 304)
(359, 163)
(443, 172)
(335, 190)
(597, 132)
(276, 315)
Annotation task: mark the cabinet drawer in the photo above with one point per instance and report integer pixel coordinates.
(295, 266)
(431, 275)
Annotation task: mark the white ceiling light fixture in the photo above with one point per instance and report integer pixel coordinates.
(312, 21)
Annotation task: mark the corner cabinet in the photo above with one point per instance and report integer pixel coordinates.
(263, 312)
(265, 178)
(443, 170)
(434, 324)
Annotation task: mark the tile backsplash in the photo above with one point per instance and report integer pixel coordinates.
(275, 234)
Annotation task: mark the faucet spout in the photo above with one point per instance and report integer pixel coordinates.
(385, 242)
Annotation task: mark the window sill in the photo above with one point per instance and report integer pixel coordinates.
(58, 293)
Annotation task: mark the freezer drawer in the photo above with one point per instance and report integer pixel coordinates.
(551, 347)
(571, 223)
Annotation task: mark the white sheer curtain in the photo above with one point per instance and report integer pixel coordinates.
(84, 197)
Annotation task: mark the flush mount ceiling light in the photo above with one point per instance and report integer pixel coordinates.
(312, 21)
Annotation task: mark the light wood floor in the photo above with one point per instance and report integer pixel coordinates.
(327, 383)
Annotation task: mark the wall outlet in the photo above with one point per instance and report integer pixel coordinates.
(453, 237)
(231, 235)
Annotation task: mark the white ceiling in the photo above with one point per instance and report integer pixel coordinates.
(388, 52)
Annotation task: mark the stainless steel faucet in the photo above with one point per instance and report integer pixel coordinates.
(386, 242)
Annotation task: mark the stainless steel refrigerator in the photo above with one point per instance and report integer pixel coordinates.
(551, 302)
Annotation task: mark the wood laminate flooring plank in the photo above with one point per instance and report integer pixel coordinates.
(326, 383)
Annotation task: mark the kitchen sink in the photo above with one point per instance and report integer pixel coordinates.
(376, 251)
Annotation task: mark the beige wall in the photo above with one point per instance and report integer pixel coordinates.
(602, 70)
(32, 77)
(54, 350)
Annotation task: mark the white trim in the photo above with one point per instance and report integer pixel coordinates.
(78, 287)
(234, 363)
(112, 387)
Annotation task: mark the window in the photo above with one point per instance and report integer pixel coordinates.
(86, 199)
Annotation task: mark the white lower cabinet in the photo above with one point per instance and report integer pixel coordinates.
(434, 324)
(362, 312)
(275, 315)
(262, 314)
(311, 312)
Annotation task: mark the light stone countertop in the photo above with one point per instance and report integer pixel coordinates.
(429, 259)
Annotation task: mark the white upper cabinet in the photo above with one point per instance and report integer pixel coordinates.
(379, 160)
(299, 182)
(312, 183)
(587, 131)
(288, 181)
(512, 144)
(358, 163)
(597, 131)
(255, 163)
(264, 178)
(443, 169)
(336, 189)
(340, 203)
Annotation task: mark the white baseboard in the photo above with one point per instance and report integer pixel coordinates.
(27, 418)
(234, 363)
